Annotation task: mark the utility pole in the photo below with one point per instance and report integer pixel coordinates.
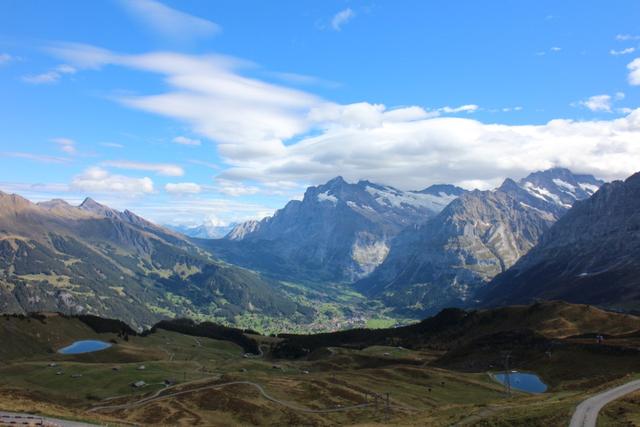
(388, 411)
(507, 373)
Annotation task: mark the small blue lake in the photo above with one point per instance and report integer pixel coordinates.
(523, 381)
(86, 346)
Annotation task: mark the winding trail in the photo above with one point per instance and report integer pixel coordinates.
(156, 397)
(586, 414)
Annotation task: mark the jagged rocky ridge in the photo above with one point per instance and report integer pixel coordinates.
(444, 261)
(591, 255)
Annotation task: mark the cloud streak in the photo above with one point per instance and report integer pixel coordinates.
(49, 77)
(181, 188)
(159, 168)
(342, 18)
(170, 22)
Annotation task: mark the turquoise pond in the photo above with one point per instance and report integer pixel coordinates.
(86, 346)
(523, 381)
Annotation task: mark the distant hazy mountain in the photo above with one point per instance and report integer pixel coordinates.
(444, 261)
(591, 255)
(206, 230)
(93, 259)
(338, 231)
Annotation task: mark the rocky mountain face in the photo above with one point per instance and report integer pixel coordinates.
(94, 259)
(444, 261)
(591, 255)
(338, 231)
(206, 230)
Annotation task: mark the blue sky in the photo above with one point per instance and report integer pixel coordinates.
(224, 110)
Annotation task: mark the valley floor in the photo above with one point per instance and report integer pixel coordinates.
(200, 381)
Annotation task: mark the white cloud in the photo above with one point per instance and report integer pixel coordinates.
(469, 108)
(509, 109)
(5, 58)
(622, 51)
(597, 103)
(246, 117)
(98, 180)
(233, 188)
(634, 72)
(183, 140)
(341, 18)
(65, 144)
(159, 168)
(414, 154)
(49, 77)
(627, 37)
(555, 49)
(267, 133)
(170, 22)
(183, 188)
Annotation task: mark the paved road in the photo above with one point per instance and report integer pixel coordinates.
(586, 413)
(218, 386)
(14, 418)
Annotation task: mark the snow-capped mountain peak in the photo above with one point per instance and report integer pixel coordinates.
(560, 186)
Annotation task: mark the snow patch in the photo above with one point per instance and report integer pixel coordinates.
(326, 197)
(564, 184)
(544, 194)
(398, 199)
(589, 188)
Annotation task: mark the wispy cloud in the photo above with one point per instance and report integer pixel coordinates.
(303, 79)
(234, 188)
(159, 168)
(553, 49)
(468, 108)
(35, 157)
(622, 51)
(627, 37)
(5, 58)
(49, 77)
(112, 145)
(205, 164)
(341, 18)
(65, 144)
(98, 180)
(180, 188)
(170, 22)
(183, 140)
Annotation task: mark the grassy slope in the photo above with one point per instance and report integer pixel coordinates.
(420, 393)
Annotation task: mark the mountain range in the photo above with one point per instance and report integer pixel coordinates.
(339, 231)
(206, 230)
(551, 235)
(93, 259)
(446, 260)
(591, 255)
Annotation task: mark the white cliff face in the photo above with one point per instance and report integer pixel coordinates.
(369, 254)
(479, 235)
